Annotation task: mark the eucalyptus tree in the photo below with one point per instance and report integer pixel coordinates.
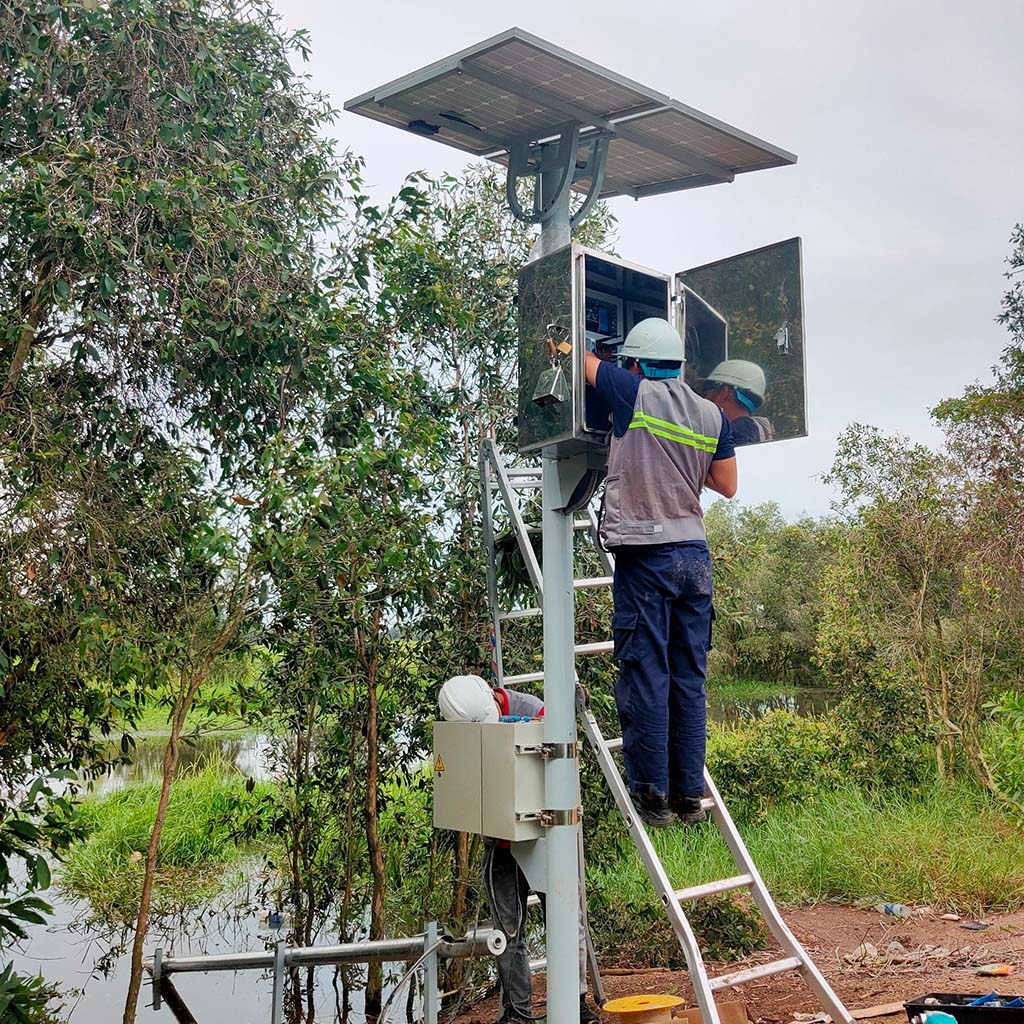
(166, 190)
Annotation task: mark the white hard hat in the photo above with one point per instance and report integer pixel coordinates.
(653, 339)
(740, 373)
(467, 699)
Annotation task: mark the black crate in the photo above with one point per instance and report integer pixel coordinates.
(956, 1005)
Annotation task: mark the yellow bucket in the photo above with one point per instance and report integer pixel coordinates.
(645, 1009)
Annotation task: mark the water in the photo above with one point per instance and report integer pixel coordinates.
(248, 752)
(728, 708)
(91, 963)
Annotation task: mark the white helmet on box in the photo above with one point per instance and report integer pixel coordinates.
(740, 373)
(653, 340)
(467, 699)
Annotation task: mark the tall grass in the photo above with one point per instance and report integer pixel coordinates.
(195, 849)
(949, 847)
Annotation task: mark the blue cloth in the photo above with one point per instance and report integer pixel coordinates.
(618, 387)
(744, 431)
(662, 627)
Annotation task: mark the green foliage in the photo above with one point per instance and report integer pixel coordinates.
(767, 600)
(947, 846)
(630, 928)
(1004, 742)
(783, 758)
(25, 1000)
(920, 590)
(198, 842)
(164, 184)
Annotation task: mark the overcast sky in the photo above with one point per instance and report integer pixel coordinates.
(908, 120)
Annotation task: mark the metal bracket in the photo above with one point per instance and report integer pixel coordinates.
(526, 159)
(556, 751)
(550, 751)
(157, 972)
(564, 816)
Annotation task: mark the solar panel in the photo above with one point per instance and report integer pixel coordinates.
(516, 87)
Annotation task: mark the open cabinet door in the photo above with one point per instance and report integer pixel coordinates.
(760, 296)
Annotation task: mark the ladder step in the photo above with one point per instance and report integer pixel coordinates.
(519, 613)
(696, 892)
(528, 677)
(592, 581)
(578, 524)
(752, 973)
(599, 648)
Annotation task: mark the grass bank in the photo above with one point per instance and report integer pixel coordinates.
(949, 847)
(196, 850)
(742, 688)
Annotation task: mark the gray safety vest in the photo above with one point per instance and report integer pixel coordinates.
(656, 470)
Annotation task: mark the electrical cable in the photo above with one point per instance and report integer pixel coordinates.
(405, 977)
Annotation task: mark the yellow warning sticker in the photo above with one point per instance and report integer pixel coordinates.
(439, 765)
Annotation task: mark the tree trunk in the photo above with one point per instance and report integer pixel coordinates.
(375, 852)
(170, 766)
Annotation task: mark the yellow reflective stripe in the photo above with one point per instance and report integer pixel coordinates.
(692, 442)
(665, 425)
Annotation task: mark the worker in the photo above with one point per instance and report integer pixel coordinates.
(471, 699)
(737, 387)
(667, 444)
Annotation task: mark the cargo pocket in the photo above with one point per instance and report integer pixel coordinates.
(624, 633)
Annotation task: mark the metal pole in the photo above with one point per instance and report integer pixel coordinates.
(430, 994)
(277, 1000)
(478, 942)
(561, 776)
(555, 232)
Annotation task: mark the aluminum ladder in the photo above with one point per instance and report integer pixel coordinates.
(512, 485)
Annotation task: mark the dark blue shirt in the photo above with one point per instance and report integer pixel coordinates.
(619, 387)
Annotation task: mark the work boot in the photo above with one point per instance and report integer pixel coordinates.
(652, 809)
(688, 810)
(587, 1015)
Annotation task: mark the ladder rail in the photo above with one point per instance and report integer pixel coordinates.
(518, 523)
(813, 977)
(511, 484)
(487, 509)
(652, 864)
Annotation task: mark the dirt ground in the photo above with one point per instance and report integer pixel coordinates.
(853, 949)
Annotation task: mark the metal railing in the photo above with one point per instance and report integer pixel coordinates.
(430, 947)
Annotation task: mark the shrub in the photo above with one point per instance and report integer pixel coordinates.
(630, 927)
(1004, 743)
(781, 758)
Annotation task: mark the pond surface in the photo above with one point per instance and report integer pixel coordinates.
(247, 752)
(91, 964)
(731, 708)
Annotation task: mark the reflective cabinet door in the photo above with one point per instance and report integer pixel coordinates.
(759, 379)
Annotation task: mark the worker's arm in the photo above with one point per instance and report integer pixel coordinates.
(722, 477)
(590, 368)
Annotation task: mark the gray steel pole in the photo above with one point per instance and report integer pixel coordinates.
(555, 232)
(277, 998)
(431, 999)
(561, 775)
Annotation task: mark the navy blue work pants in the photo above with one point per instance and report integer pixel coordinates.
(662, 627)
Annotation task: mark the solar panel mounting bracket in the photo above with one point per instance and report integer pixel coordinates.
(557, 158)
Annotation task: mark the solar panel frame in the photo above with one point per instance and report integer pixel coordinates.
(516, 86)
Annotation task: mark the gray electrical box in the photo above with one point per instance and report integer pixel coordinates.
(489, 778)
(577, 299)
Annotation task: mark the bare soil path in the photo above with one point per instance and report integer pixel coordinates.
(868, 958)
